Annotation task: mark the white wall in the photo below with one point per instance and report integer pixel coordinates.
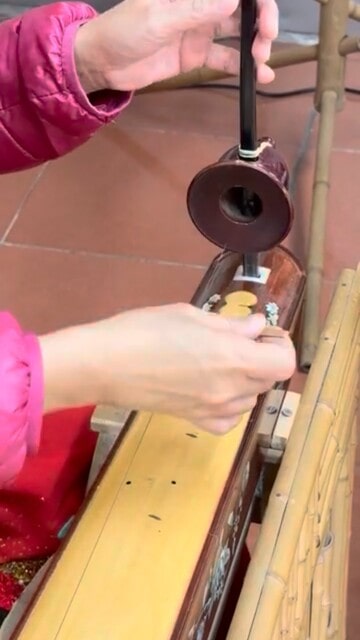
(299, 21)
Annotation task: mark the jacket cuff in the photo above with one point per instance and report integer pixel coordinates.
(21, 397)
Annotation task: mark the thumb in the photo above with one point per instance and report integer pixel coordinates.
(250, 327)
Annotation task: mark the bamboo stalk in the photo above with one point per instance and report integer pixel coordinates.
(317, 594)
(340, 436)
(354, 11)
(326, 602)
(315, 261)
(351, 473)
(266, 581)
(349, 45)
(293, 595)
(340, 552)
(305, 629)
(301, 565)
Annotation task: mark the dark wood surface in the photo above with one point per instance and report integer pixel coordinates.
(285, 286)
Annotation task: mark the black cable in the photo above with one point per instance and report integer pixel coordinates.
(247, 116)
(265, 94)
(247, 86)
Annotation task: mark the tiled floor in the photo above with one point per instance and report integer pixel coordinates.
(106, 227)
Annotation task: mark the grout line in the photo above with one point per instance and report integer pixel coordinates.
(97, 254)
(303, 148)
(175, 132)
(22, 202)
(346, 150)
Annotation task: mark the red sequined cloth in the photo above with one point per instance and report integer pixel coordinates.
(46, 494)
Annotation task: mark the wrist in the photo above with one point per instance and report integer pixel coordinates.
(70, 369)
(86, 58)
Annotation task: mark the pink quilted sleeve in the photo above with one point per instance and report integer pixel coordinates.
(21, 397)
(44, 113)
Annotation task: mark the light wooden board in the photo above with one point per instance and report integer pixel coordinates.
(109, 540)
(140, 538)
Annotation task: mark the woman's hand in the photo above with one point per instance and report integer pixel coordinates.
(174, 359)
(139, 42)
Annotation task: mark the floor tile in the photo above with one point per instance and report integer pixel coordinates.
(346, 128)
(51, 289)
(123, 193)
(198, 111)
(13, 189)
(294, 76)
(215, 111)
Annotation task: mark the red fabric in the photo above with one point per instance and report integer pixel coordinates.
(10, 591)
(49, 489)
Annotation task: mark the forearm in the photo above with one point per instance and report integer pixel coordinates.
(71, 369)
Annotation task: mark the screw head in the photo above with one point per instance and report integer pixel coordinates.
(271, 410)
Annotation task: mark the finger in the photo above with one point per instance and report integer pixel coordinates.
(265, 74)
(268, 27)
(223, 424)
(271, 361)
(240, 404)
(268, 19)
(221, 58)
(261, 50)
(250, 327)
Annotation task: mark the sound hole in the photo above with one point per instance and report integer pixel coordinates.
(240, 205)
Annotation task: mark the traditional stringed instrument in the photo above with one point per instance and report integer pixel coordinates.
(155, 550)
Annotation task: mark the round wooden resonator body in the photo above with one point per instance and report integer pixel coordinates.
(241, 205)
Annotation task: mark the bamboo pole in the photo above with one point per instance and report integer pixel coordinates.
(289, 56)
(291, 501)
(329, 98)
(354, 11)
(315, 259)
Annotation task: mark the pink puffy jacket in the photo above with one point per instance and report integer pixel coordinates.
(44, 114)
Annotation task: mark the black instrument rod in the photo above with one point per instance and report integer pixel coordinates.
(247, 104)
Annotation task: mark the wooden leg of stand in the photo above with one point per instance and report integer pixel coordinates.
(315, 261)
(287, 57)
(329, 98)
